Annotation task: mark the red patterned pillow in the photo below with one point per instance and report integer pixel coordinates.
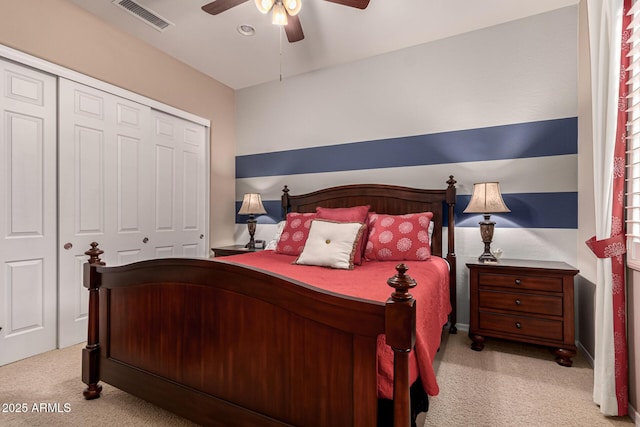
(353, 214)
(398, 237)
(295, 232)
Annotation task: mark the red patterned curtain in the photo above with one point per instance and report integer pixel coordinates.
(613, 249)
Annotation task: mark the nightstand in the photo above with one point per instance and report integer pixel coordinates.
(232, 250)
(527, 301)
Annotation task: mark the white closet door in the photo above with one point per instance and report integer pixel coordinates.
(180, 175)
(132, 179)
(27, 212)
(104, 163)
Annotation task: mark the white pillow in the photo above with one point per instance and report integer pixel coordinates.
(274, 242)
(430, 231)
(331, 244)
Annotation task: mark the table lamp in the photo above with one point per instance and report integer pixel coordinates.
(252, 206)
(486, 199)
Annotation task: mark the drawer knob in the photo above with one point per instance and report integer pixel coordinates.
(518, 302)
(518, 325)
(518, 281)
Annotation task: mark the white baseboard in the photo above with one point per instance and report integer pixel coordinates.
(585, 353)
(633, 414)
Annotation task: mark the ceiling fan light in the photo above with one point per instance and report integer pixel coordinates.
(293, 6)
(264, 6)
(279, 15)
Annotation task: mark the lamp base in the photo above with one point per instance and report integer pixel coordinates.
(251, 225)
(487, 257)
(486, 231)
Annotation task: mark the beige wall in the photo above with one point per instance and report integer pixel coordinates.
(60, 32)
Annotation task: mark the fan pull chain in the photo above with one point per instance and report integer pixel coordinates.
(281, 31)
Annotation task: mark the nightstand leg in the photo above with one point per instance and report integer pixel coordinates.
(563, 356)
(478, 342)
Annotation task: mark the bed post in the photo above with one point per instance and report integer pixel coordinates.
(284, 202)
(451, 254)
(400, 330)
(91, 353)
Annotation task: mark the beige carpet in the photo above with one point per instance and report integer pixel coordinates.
(512, 384)
(506, 384)
(55, 377)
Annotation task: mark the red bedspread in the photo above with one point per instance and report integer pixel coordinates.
(369, 281)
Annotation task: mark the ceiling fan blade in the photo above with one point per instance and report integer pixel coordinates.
(359, 4)
(219, 6)
(294, 29)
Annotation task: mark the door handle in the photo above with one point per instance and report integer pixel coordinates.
(68, 246)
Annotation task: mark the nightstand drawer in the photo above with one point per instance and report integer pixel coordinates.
(521, 325)
(526, 303)
(551, 284)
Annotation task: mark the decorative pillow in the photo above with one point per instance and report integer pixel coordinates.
(274, 242)
(353, 214)
(295, 232)
(399, 237)
(331, 244)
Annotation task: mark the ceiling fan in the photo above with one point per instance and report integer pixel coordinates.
(285, 12)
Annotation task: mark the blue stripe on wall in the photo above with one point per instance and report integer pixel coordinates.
(273, 215)
(528, 210)
(534, 139)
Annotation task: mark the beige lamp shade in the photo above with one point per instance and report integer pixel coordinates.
(486, 198)
(252, 205)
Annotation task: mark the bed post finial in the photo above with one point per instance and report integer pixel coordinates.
(402, 283)
(285, 202)
(91, 353)
(94, 254)
(400, 331)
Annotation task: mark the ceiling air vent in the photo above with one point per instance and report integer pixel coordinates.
(145, 14)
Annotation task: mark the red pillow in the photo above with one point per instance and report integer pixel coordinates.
(354, 214)
(399, 237)
(295, 232)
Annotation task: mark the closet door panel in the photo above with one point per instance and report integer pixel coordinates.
(164, 188)
(88, 181)
(104, 180)
(28, 293)
(180, 186)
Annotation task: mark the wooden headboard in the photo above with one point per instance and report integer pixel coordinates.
(393, 200)
(385, 199)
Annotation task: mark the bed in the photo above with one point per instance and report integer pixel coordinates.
(225, 343)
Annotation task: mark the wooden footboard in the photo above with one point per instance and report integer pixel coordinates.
(227, 345)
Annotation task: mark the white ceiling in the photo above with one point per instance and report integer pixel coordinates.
(334, 34)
